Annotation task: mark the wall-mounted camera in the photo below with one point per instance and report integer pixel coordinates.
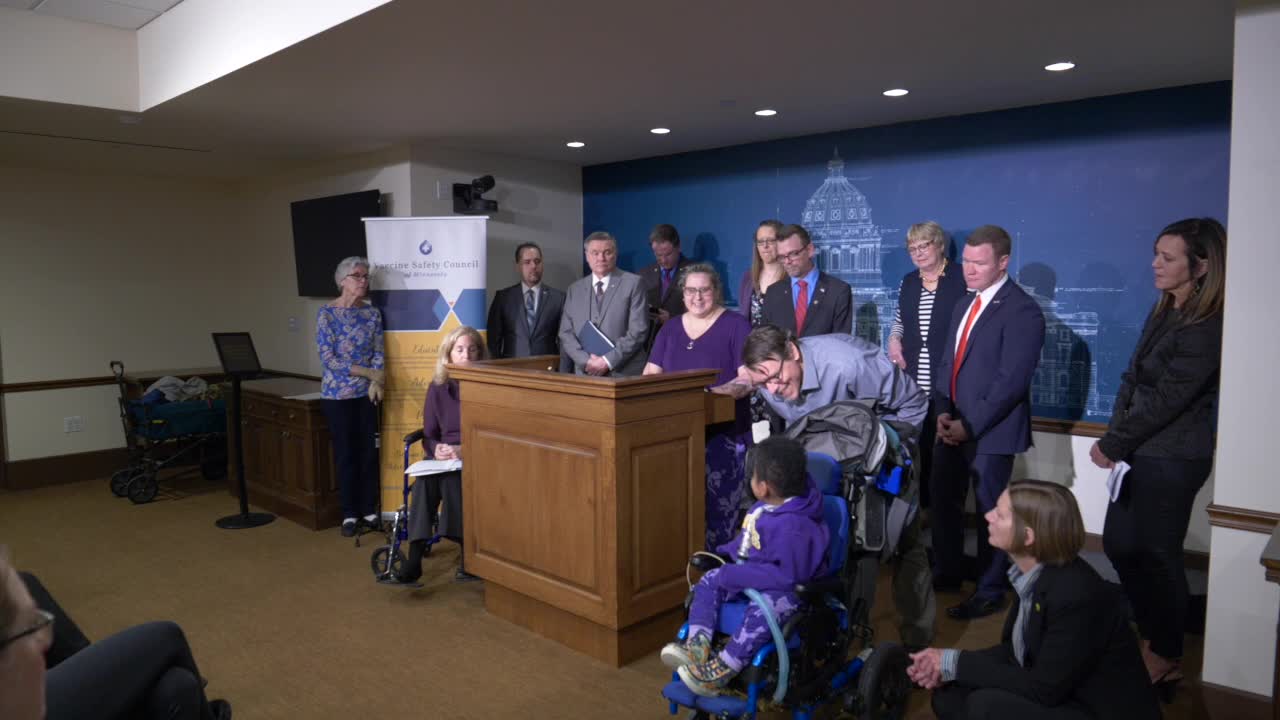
(468, 200)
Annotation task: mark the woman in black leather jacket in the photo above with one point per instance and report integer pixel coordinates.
(1163, 426)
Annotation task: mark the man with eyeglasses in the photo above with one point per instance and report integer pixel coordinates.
(812, 302)
(796, 377)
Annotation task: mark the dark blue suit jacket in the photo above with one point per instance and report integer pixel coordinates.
(993, 389)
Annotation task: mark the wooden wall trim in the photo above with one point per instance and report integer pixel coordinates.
(60, 469)
(1259, 521)
(1069, 427)
(1224, 703)
(42, 385)
(1191, 559)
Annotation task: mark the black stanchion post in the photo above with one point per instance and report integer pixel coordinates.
(239, 359)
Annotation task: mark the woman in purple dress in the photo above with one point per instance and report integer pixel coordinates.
(709, 337)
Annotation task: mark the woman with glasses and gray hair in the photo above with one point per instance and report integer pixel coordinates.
(917, 340)
(146, 671)
(708, 337)
(349, 339)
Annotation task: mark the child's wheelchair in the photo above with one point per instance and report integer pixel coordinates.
(387, 560)
(827, 654)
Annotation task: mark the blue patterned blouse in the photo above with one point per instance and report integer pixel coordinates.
(346, 337)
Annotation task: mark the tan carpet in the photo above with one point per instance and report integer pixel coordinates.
(288, 623)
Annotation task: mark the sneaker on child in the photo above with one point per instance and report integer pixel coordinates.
(691, 652)
(707, 679)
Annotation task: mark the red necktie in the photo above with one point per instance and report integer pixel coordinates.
(964, 340)
(802, 305)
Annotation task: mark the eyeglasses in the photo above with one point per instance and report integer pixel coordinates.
(696, 291)
(776, 377)
(43, 620)
(764, 242)
(919, 248)
(794, 254)
(358, 277)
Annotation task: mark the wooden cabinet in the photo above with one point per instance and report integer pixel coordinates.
(288, 456)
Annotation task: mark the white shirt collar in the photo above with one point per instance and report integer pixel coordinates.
(526, 288)
(596, 279)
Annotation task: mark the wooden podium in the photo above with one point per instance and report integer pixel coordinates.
(583, 498)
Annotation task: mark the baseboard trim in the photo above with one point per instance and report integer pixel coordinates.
(1069, 427)
(60, 469)
(1229, 703)
(1259, 521)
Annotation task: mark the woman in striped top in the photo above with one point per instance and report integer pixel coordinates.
(926, 299)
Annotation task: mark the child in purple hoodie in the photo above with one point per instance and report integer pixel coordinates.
(783, 542)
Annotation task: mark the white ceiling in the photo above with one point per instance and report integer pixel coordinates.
(124, 14)
(522, 78)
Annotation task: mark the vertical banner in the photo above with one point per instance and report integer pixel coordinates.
(428, 278)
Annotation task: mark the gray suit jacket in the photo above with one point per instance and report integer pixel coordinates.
(621, 316)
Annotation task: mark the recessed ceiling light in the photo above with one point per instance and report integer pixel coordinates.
(576, 144)
(660, 131)
(1059, 66)
(767, 112)
(896, 92)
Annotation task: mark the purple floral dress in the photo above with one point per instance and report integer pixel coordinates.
(719, 348)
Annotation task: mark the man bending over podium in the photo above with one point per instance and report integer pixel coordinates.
(605, 322)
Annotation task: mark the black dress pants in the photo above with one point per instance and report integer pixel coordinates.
(1143, 537)
(436, 506)
(956, 702)
(353, 426)
(146, 671)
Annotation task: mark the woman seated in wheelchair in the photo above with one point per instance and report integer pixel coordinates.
(441, 438)
(783, 542)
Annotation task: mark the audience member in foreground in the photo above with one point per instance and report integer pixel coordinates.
(1163, 427)
(1067, 651)
(146, 671)
(783, 542)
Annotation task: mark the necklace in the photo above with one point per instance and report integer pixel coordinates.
(941, 271)
(706, 326)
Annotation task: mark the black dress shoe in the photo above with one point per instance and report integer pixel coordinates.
(349, 528)
(975, 607)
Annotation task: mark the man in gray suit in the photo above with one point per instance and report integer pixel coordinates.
(615, 301)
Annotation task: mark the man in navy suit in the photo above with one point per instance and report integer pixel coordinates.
(812, 302)
(982, 394)
(524, 319)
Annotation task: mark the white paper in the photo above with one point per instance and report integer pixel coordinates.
(760, 431)
(433, 467)
(306, 396)
(1115, 480)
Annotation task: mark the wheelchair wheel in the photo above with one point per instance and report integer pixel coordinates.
(378, 561)
(883, 685)
(120, 480)
(143, 488)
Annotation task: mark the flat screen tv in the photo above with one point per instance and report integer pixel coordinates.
(326, 230)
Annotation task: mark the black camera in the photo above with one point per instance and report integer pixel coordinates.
(467, 198)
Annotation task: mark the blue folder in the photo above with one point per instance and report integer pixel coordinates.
(594, 341)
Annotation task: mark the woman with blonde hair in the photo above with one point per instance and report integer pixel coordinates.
(1067, 651)
(1163, 426)
(442, 439)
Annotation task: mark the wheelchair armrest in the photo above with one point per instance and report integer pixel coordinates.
(705, 562)
(413, 437)
(814, 590)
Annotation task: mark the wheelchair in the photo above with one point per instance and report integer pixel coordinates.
(825, 654)
(387, 560)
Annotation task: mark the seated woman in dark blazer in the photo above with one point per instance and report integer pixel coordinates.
(1067, 651)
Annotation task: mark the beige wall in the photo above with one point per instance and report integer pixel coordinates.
(1240, 629)
(142, 270)
(537, 202)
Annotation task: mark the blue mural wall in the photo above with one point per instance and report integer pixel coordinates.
(1083, 187)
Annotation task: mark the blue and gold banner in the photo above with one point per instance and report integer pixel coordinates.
(428, 277)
